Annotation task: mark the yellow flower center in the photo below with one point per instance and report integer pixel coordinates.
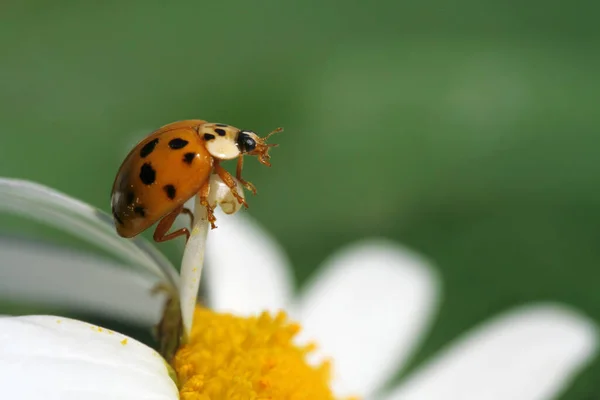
(237, 358)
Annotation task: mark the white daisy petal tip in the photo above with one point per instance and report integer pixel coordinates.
(220, 194)
(391, 256)
(530, 353)
(69, 359)
(247, 270)
(367, 309)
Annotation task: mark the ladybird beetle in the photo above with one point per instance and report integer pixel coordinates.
(173, 164)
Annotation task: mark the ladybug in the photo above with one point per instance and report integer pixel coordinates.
(173, 164)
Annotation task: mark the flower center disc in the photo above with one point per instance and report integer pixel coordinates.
(237, 358)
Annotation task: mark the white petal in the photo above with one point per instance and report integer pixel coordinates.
(247, 271)
(52, 207)
(221, 195)
(193, 254)
(192, 264)
(367, 311)
(36, 273)
(531, 353)
(54, 358)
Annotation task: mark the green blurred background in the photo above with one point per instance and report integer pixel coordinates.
(466, 130)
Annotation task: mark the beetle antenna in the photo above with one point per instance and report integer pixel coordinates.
(272, 133)
(262, 148)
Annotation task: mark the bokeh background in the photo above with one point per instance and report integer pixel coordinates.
(468, 130)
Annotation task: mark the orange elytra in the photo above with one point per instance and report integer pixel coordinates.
(173, 164)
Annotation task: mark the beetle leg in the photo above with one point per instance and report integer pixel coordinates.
(210, 215)
(188, 212)
(160, 233)
(238, 175)
(230, 182)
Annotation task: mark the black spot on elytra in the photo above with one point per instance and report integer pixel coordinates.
(178, 143)
(130, 197)
(222, 125)
(116, 217)
(209, 136)
(148, 148)
(139, 210)
(189, 157)
(220, 132)
(147, 174)
(170, 191)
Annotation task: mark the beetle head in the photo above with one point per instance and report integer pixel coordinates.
(250, 143)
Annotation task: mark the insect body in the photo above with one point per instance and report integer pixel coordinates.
(172, 165)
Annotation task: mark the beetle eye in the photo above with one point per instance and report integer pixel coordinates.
(249, 144)
(246, 142)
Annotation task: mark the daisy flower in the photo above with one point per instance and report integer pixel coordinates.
(367, 309)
